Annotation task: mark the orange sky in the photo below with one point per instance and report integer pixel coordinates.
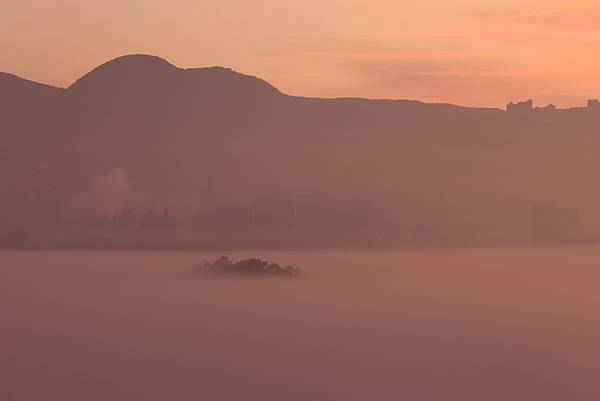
(469, 52)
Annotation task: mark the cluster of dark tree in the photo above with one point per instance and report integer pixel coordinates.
(252, 267)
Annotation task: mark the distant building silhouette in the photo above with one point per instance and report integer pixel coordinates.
(520, 107)
(46, 214)
(551, 224)
(124, 220)
(593, 104)
(94, 222)
(154, 221)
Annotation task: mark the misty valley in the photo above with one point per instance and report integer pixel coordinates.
(140, 154)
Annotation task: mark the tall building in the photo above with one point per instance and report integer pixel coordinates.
(520, 107)
(154, 221)
(125, 220)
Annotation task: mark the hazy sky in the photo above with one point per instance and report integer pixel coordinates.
(472, 52)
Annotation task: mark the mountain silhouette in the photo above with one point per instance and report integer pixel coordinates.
(191, 136)
(142, 74)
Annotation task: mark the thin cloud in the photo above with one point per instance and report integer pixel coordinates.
(576, 16)
(464, 81)
(385, 34)
(462, 36)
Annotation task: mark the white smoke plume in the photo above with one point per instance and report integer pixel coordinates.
(109, 194)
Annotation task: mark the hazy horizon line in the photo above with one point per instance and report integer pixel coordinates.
(149, 55)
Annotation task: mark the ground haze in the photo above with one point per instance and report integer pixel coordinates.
(487, 324)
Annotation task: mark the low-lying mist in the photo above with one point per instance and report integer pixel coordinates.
(502, 324)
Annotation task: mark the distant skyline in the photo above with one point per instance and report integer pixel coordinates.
(473, 53)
